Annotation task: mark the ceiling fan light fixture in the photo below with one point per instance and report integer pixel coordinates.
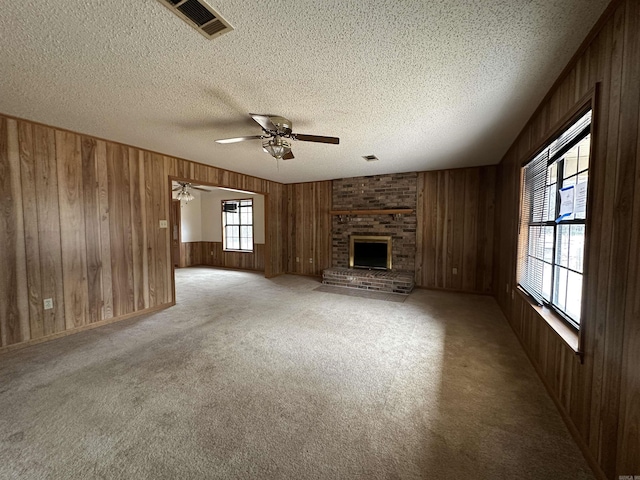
(185, 194)
(276, 147)
(277, 136)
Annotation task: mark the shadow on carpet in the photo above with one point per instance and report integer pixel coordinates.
(357, 292)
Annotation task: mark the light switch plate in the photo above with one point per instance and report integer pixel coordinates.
(163, 224)
(48, 303)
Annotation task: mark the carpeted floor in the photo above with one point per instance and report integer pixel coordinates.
(256, 378)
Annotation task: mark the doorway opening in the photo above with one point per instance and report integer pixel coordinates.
(216, 226)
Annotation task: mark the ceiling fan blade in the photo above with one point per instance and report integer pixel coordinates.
(176, 189)
(264, 121)
(288, 156)
(316, 138)
(239, 139)
(200, 188)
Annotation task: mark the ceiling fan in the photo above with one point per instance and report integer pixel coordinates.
(276, 136)
(183, 189)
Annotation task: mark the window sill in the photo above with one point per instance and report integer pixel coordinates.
(237, 251)
(568, 335)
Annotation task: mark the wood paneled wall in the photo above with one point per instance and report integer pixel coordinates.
(211, 254)
(309, 227)
(79, 223)
(600, 398)
(455, 229)
(455, 223)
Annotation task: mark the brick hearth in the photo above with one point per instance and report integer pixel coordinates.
(380, 280)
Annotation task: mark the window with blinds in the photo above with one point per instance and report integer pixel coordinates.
(237, 225)
(552, 221)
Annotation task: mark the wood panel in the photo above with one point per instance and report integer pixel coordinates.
(251, 261)
(599, 398)
(191, 253)
(32, 237)
(322, 226)
(454, 246)
(105, 232)
(120, 228)
(41, 228)
(211, 254)
(308, 227)
(629, 412)
(91, 202)
(486, 228)
(13, 285)
(159, 204)
(136, 195)
(628, 216)
(47, 196)
(79, 223)
(151, 226)
(74, 252)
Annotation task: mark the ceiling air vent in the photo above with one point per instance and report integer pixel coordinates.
(370, 158)
(200, 16)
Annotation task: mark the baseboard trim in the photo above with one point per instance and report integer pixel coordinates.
(584, 448)
(101, 323)
(223, 268)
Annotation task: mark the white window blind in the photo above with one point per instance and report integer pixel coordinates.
(550, 250)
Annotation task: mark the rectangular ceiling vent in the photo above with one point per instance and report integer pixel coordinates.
(370, 158)
(200, 16)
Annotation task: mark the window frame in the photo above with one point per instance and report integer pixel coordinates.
(554, 189)
(239, 225)
(572, 337)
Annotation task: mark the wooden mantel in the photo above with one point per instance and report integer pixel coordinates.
(388, 211)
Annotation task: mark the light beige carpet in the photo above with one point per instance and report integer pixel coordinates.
(256, 378)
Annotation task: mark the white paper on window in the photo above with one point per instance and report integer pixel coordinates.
(567, 196)
(580, 202)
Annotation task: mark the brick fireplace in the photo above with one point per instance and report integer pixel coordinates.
(381, 206)
(381, 192)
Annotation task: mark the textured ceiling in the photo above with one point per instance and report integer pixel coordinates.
(422, 85)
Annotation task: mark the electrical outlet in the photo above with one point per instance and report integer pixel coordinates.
(297, 259)
(48, 303)
(311, 260)
(211, 253)
(455, 271)
(163, 224)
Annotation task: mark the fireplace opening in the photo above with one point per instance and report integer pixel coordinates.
(373, 252)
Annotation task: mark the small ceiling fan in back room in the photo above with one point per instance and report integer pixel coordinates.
(184, 190)
(277, 135)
